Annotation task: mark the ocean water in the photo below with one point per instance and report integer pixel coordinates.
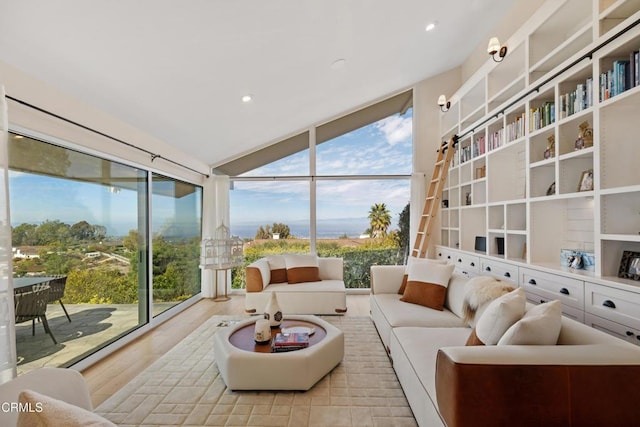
(325, 229)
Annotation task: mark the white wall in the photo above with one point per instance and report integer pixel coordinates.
(426, 137)
(22, 86)
(513, 19)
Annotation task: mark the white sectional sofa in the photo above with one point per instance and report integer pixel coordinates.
(269, 274)
(588, 378)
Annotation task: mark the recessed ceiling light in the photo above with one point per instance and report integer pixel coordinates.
(430, 26)
(247, 98)
(338, 63)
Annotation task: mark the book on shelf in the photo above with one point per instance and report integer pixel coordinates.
(289, 341)
(621, 77)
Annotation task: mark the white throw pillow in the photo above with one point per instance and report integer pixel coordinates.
(539, 326)
(499, 315)
(427, 283)
(410, 261)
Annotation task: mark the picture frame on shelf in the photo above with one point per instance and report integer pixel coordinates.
(586, 181)
(630, 265)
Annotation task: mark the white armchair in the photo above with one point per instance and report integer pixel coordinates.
(62, 384)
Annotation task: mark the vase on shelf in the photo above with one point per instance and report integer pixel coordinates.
(273, 312)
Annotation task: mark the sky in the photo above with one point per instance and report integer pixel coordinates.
(382, 148)
(35, 199)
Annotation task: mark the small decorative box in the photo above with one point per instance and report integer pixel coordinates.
(579, 260)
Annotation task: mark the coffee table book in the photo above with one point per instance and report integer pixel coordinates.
(290, 341)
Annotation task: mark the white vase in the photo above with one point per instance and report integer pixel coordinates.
(272, 311)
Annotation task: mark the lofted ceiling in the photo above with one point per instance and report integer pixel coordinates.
(178, 69)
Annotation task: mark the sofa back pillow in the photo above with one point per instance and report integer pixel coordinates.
(540, 325)
(455, 294)
(258, 275)
(302, 268)
(500, 314)
(427, 283)
(278, 268)
(410, 260)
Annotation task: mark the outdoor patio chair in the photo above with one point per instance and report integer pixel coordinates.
(56, 292)
(32, 305)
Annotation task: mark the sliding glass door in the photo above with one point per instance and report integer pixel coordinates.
(176, 229)
(80, 230)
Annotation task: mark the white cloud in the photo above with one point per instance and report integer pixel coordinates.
(396, 129)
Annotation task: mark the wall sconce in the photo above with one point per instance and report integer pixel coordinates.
(495, 47)
(443, 103)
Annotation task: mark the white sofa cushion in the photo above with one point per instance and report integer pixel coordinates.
(397, 313)
(323, 297)
(500, 314)
(414, 351)
(540, 325)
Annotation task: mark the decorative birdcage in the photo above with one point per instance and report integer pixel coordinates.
(221, 251)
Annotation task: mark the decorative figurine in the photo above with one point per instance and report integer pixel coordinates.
(551, 148)
(585, 136)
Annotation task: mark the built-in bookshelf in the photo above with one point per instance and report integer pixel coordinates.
(548, 153)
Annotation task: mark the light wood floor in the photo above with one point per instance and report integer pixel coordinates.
(113, 372)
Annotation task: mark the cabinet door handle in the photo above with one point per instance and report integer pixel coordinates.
(564, 291)
(507, 274)
(629, 333)
(609, 303)
(532, 282)
(439, 253)
(448, 256)
(459, 259)
(488, 269)
(473, 264)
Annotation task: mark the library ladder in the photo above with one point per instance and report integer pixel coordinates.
(434, 194)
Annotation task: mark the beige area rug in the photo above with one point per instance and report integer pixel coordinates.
(184, 388)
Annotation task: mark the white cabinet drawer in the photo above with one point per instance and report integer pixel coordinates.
(443, 254)
(613, 328)
(613, 304)
(500, 270)
(550, 286)
(567, 311)
(466, 263)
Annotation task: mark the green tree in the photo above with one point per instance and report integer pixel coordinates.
(53, 233)
(379, 220)
(82, 231)
(24, 235)
(268, 231)
(262, 233)
(282, 229)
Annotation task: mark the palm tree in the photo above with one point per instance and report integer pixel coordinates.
(379, 219)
